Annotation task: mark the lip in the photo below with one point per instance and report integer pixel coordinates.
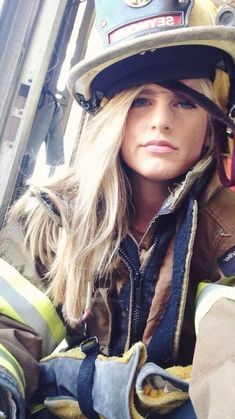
(161, 146)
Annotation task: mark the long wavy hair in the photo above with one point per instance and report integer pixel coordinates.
(79, 241)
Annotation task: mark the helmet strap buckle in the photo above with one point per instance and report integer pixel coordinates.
(230, 131)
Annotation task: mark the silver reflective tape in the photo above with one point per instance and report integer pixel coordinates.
(29, 314)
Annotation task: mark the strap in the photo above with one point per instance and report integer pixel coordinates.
(202, 101)
(225, 180)
(85, 377)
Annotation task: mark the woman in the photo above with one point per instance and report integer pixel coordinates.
(122, 242)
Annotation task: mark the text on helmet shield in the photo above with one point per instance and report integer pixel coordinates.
(156, 22)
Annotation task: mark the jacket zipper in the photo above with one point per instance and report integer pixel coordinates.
(137, 276)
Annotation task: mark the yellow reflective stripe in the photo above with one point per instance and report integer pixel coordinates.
(37, 299)
(35, 408)
(9, 311)
(207, 295)
(200, 287)
(48, 312)
(32, 306)
(8, 361)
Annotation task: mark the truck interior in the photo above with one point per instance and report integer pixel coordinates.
(40, 40)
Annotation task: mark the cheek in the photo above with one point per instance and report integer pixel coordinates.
(128, 139)
(199, 140)
(194, 140)
(200, 134)
(125, 148)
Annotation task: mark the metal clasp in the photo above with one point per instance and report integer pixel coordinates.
(231, 115)
(90, 345)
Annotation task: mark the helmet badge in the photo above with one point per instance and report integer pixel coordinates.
(137, 3)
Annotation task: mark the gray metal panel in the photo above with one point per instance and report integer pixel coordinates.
(16, 23)
(26, 66)
(29, 82)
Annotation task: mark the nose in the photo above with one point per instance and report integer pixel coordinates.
(161, 117)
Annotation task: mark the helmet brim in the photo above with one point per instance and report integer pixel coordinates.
(82, 77)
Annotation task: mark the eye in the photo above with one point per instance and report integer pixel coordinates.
(140, 102)
(185, 104)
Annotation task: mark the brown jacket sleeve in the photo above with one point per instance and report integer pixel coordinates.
(25, 345)
(215, 238)
(30, 328)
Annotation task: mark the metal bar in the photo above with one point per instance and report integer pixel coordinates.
(30, 82)
(83, 38)
(16, 25)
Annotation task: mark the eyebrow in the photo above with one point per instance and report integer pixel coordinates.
(149, 91)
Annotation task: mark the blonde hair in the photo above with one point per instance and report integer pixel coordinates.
(82, 242)
(92, 202)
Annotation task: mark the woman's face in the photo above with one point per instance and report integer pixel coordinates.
(165, 133)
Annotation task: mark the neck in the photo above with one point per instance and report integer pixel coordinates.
(147, 198)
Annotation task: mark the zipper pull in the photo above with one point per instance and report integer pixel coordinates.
(138, 279)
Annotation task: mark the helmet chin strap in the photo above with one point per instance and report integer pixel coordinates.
(224, 125)
(221, 137)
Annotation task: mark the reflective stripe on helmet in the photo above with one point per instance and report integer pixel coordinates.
(8, 361)
(23, 302)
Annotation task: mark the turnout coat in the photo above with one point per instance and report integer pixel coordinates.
(152, 296)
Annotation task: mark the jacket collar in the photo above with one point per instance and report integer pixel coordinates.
(177, 196)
